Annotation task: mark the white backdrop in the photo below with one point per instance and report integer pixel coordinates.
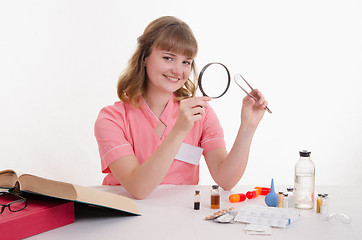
(60, 60)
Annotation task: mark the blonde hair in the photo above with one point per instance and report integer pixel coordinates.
(166, 33)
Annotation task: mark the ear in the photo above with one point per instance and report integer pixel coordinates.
(144, 62)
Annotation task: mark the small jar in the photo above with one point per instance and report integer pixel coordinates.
(215, 197)
(197, 200)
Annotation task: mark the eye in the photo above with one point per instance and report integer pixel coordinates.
(187, 62)
(168, 58)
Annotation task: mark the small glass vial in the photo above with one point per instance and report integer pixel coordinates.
(197, 200)
(325, 203)
(319, 203)
(304, 181)
(285, 200)
(291, 200)
(280, 199)
(215, 197)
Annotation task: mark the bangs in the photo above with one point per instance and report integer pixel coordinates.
(177, 40)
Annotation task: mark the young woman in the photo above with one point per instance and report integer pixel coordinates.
(157, 132)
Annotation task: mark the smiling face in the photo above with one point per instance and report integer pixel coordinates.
(166, 71)
(148, 69)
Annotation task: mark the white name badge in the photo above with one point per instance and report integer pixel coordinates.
(189, 153)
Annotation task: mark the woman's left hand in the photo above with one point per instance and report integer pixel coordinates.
(252, 112)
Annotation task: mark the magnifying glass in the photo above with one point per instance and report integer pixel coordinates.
(218, 81)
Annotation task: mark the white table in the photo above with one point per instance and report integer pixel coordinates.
(167, 213)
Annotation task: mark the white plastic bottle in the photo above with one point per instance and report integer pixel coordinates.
(291, 200)
(286, 201)
(304, 181)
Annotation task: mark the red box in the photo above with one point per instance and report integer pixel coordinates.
(40, 215)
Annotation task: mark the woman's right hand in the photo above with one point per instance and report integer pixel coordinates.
(190, 111)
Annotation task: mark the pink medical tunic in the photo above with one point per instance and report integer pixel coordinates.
(123, 130)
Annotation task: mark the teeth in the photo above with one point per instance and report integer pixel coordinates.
(172, 79)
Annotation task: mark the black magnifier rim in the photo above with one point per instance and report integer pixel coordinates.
(202, 72)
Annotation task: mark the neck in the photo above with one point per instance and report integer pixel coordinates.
(157, 102)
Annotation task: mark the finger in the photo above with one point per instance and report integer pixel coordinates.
(204, 98)
(197, 111)
(197, 101)
(261, 99)
(255, 93)
(196, 117)
(194, 114)
(248, 100)
(260, 96)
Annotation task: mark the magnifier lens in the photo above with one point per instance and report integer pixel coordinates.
(214, 80)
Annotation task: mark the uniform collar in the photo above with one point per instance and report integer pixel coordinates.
(165, 115)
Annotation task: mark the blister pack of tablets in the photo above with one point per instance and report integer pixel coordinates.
(267, 216)
(219, 213)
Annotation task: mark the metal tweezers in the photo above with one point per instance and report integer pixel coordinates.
(238, 82)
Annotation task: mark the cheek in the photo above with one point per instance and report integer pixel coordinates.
(187, 73)
(152, 70)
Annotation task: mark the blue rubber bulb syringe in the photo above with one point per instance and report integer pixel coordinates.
(272, 198)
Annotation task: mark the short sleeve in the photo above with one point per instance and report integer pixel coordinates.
(212, 133)
(110, 133)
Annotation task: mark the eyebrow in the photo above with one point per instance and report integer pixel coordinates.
(174, 55)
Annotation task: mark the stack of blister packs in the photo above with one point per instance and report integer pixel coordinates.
(267, 216)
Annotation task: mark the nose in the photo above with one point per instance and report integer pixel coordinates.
(177, 70)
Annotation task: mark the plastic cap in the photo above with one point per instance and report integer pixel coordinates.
(197, 192)
(215, 186)
(304, 153)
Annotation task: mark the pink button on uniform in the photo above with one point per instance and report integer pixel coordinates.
(122, 130)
